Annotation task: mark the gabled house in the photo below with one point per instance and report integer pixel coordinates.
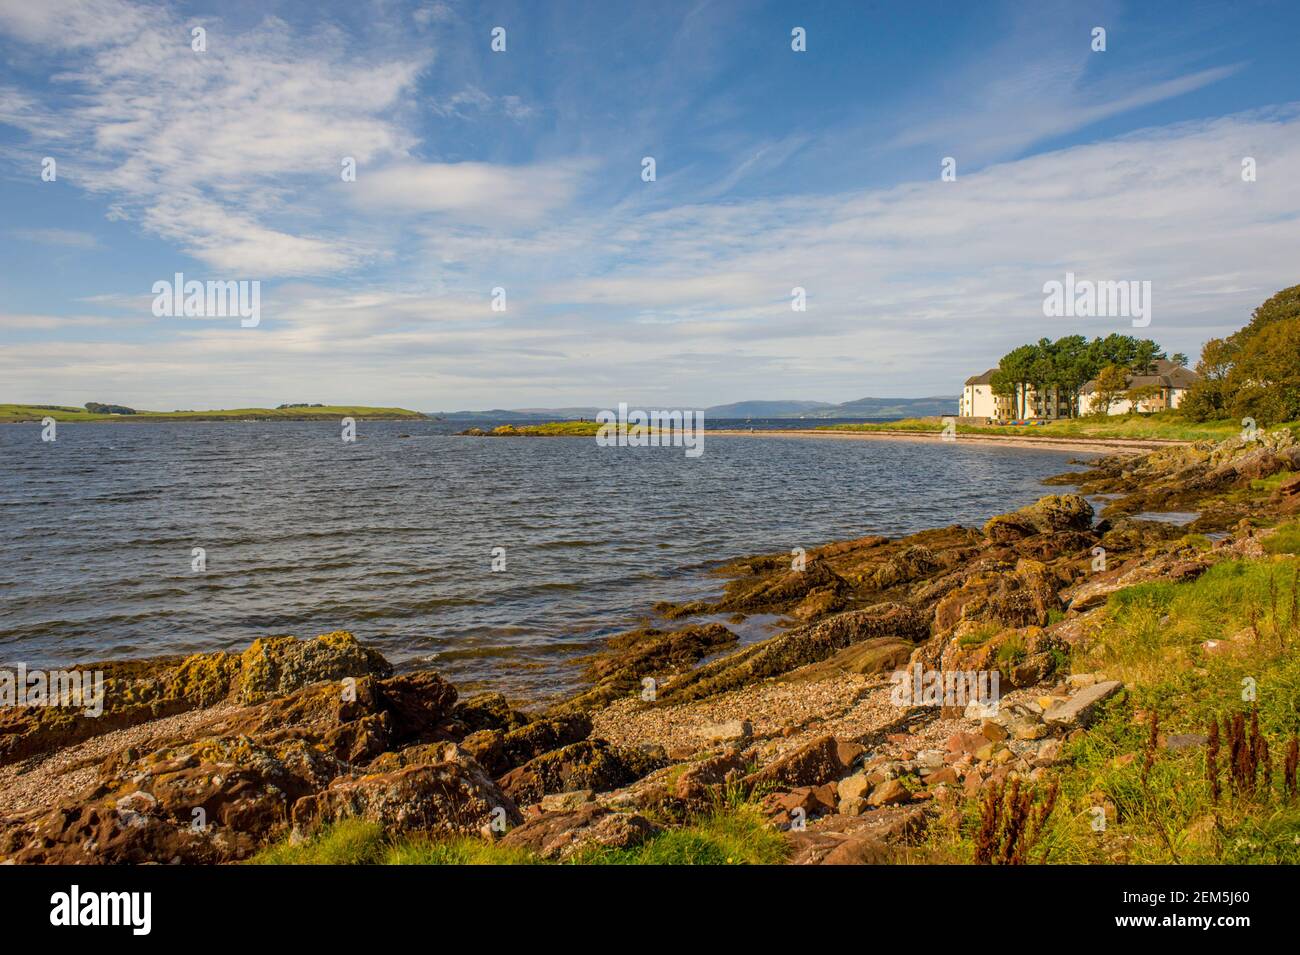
(1167, 386)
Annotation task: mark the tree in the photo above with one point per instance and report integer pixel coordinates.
(1141, 393)
(1179, 359)
(1255, 372)
(1110, 385)
(1060, 368)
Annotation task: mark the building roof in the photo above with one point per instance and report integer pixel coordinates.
(983, 379)
(1167, 375)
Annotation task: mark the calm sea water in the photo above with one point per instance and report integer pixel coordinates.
(392, 537)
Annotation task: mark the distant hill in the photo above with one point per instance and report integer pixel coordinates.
(19, 413)
(862, 408)
(767, 409)
(893, 407)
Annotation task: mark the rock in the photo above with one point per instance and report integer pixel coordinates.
(454, 797)
(631, 657)
(137, 691)
(274, 666)
(889, 793)
(853, 787)
(487, 711)
(733, 731)
(1081, 708)
(993, 732)
(500, 751)
(943, 776)
(812, 764)
(857, 840)
(699, 779)
(561, 835)
(591, 764)
(810, 643)
(1028, 730)
(563, 802)
(1048, 515)
(1181, 741)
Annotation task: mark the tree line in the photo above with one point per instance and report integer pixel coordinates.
(1060, 368)
(1254, 372)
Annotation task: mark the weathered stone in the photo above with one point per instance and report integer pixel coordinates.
(889, 793)
(730, 732)
(451, 797)
(812, 764)
(561, 835)
(1081, 708)
(591, 764)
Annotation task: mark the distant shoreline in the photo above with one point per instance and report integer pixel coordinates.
(34, 414)
(1118, 445)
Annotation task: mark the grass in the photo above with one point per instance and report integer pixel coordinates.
(20, 413)
(731, 835)
(1166, 426)
(1160, 806)
(582, 429)
(1285, 540)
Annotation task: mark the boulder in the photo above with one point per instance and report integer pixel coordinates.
(810, 643)
(561, 835)
(453, 797)
(1081, 708)
(822, 760)
(500, 751)
(594, 764)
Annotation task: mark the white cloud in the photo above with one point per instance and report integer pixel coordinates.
(216, 151)
(72, 238)
(470, 191)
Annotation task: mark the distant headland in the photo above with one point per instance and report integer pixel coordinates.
(94, 411)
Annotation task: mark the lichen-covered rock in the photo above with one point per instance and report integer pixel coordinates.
(594, 764)
(912, 563)
(228, 784)
(810, 643)
(273, 666)
(204, 802)
(451, 797)
(630, 658)
(561, 835)
(785, 590)
(136, 691)
(1056, 512)
(487, 711)
(820, 761)
(498, 752)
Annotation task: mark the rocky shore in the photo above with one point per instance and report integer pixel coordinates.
(215, 757)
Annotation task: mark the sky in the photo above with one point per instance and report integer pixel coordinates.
(523, 170)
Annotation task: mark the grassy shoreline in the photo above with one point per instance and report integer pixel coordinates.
(21, 414)
(1156, 427)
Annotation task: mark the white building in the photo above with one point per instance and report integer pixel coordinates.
(1168, 386)
(977, 398)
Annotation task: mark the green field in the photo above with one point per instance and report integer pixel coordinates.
(16, 413)
(1154, 427)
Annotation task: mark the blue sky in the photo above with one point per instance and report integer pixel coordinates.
(522, 170)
